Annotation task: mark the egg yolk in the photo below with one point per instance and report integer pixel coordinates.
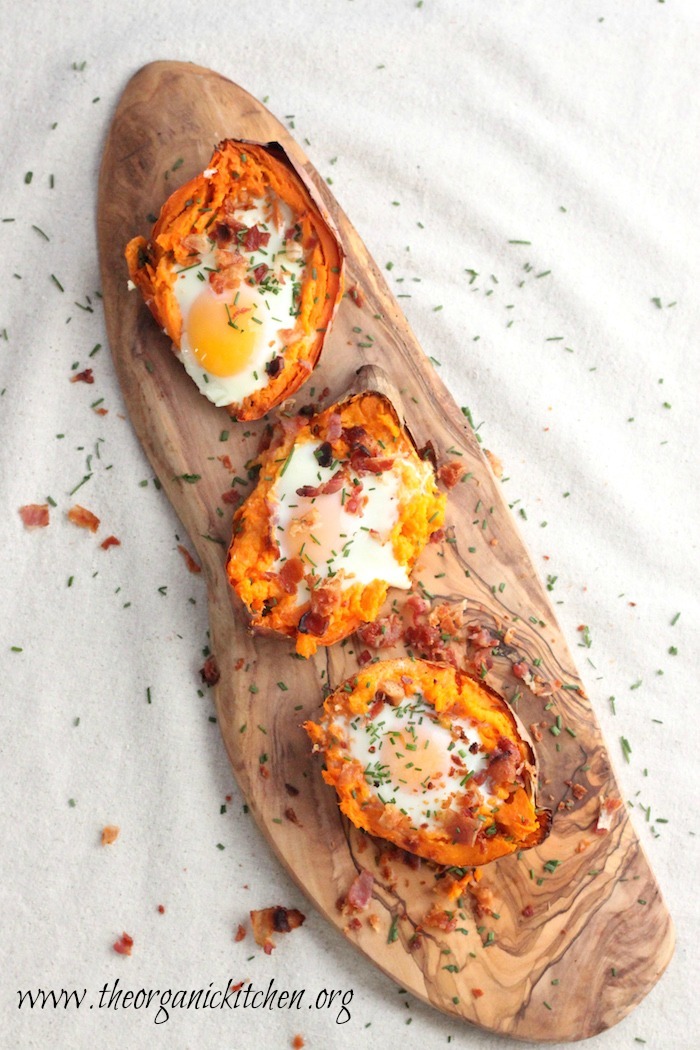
(222, 335)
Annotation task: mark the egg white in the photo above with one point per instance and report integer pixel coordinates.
(406, 755)
(359, 545)
(274, 307)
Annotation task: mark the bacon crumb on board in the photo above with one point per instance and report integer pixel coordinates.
(356, 295)
(477, 993)
(494, 461)
(124, 944)
(210, 671)
(35, 515)
(606, 811)
(83, 518)
(483, 898)
(161, 909)
(110, 834)
(360, 892)
(439, 919)
(191, 564)
(240, 933)
(111, 541)
(298, 1042)
(231, 497)
(277, 919)
(451, 473)
(85, 376)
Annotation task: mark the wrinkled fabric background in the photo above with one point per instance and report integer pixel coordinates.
(449, 129)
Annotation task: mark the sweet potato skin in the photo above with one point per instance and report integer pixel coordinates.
(519, 823)
(249, 168)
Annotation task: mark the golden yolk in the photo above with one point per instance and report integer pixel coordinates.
(222, 336)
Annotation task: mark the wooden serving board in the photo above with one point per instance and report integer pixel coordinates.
(581, 932)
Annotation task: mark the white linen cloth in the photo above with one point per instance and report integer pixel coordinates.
(450, 130)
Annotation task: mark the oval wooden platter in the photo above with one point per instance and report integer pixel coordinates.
(580, 932)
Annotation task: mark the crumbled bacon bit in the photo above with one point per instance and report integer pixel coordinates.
(391, 692)
(520, 669)
(496, 465)
(439, 919)
(210, 671)
(360, 892)
(577, 790)
(275, 366)
(267, 921)
(255, 238)
(85, 376)
(291, 790)
(239, 664)
(298, 1042)
(477, 993)
(291, 816)
(480, 636)
(313, 621)
(382, 633)
(535, 732)
(362, 463)
(364, 658)
(191, 564)
(226, 461)
(504, 767)
(240, 933)
(101, 411)
(608, 806)
(231, 497)
(356, 501)
(83, 518)
(260, 272)
(582, 846)
(356, 295)
(196, 243)
(483, 898)
(35, 515)
(291, 573)
(528, 911)
(437, 536)
(231, 268)
(111, 541)
(161, 909)
(110, 834)
(124, 945)
(451, 473)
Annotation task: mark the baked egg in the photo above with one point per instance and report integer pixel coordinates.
(432, 760)
(342, 509)
(243, 273)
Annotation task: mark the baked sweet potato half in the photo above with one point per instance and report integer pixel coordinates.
(342, 509)
(431, 759)
(243, 271)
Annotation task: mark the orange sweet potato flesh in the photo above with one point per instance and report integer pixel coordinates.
(514, 823)
(364, 422)
(240, 172)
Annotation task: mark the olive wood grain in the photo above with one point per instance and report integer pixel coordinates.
(577, 943)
